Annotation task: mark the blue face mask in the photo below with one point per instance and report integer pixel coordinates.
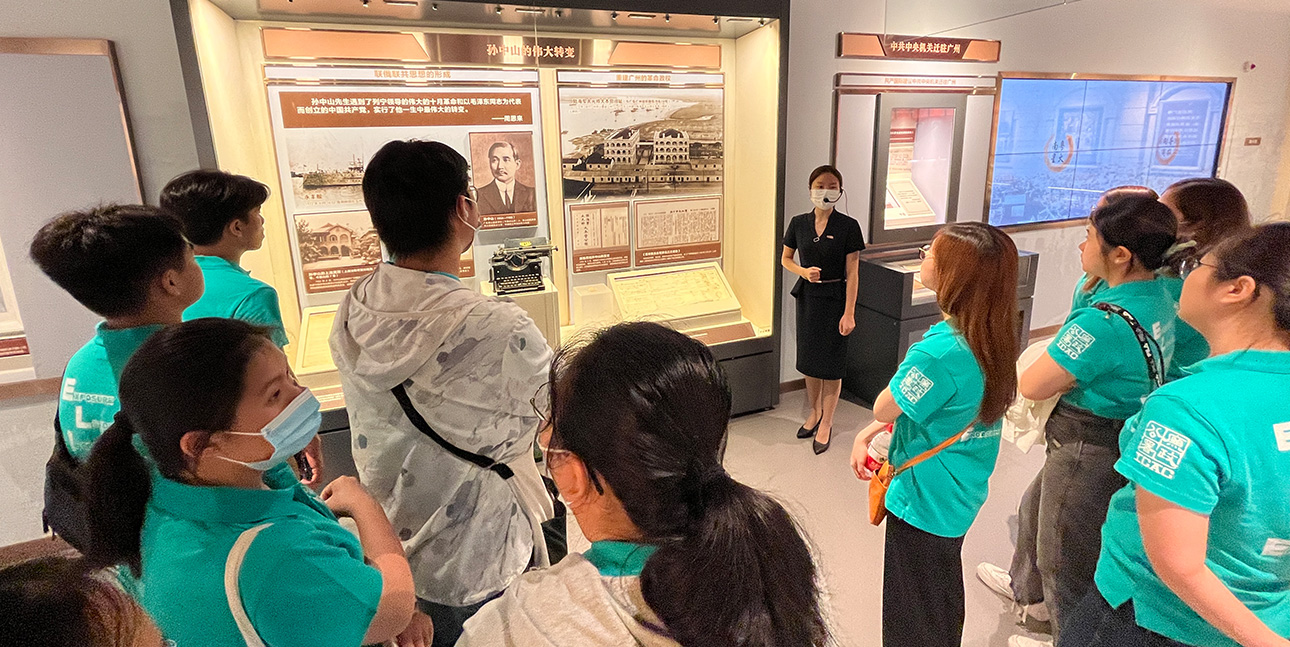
(289, 432)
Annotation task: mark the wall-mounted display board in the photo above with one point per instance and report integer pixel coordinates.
(325, 135)
(1061, 140)
(632, 141)
(648, 144)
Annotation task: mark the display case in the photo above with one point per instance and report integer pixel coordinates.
(917, 160)
(895, 310)
(642, 144)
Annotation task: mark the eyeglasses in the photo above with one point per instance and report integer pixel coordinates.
(1191, 265)
(472, 194)
(540, 401)
(924, 252)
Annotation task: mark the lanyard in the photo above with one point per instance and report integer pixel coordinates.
(1155, 367)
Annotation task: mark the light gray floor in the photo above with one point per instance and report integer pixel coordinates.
(26, 439)
(833, 508)
(820, 491)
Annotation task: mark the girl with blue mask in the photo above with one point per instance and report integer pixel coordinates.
(225, 545)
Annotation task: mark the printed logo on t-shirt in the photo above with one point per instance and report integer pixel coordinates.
(1075, 341)
(980, 433)
(915, 385)
(1161, 449)
(1282, 432)
(1276, 548)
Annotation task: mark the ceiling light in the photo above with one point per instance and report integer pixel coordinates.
(642, 16)
(403, 3)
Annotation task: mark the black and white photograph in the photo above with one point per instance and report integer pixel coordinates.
(627, 142)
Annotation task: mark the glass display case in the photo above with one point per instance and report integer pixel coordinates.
(917, 160)
(641, 144)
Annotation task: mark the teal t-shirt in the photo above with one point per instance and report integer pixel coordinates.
(303, 582)
(619, 558)
(1197, 446)
(1084, 298)
(939, 388)
(1104, 355)
(1189, 346)
(231, 293)
(88, 401)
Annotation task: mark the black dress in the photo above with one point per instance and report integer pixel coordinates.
(821, 349)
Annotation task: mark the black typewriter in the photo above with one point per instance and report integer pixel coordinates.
(517, 265)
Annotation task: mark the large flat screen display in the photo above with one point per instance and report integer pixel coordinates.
(1059, 143)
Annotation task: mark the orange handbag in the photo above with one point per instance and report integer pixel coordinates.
(881, 480)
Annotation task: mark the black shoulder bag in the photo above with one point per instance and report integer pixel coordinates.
(554, 531)
(414, 416)
(1155, 360)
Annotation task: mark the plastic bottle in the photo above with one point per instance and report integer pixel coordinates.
(878, 449)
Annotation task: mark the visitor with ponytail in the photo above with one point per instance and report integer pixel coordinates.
(1106, 359)
(1194, 550)
(947, 401)
(1209, 210)
(1089, 284)
(681, 553)
(217, 409)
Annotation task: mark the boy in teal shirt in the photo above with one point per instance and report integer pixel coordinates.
(131, 265)
(221, 216)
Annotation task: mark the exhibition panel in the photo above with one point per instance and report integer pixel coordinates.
(627, 165)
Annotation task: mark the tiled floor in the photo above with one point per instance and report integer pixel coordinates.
(763, 452)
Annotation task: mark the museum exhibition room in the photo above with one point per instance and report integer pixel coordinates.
(536, 323)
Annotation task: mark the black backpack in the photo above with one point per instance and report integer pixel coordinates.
(66, 512)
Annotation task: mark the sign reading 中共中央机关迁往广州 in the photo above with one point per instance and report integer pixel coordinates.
(920, 48)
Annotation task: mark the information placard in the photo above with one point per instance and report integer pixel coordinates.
(676, 231)
(598, 236)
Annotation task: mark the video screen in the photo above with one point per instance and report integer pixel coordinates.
(1060, 143)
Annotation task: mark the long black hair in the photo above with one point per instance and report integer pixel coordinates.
(646, 409)
(58, 602)
(1140, 224)
(1260, 254)
(187, 377)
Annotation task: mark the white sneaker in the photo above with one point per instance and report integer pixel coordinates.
(1000, 583)
(996, 579)
(1023, 641)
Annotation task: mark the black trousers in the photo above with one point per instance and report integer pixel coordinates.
(922, 588)
(1095, 624)
(448, 621)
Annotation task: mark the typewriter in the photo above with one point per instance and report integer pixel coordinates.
(517, 265)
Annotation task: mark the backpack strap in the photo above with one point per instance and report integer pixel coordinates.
(232, 569)
(1155, 360)
(414, 416)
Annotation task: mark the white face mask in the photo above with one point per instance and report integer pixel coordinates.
(473, 228)
(825, 198)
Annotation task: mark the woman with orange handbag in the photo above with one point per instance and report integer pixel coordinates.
(947, 401)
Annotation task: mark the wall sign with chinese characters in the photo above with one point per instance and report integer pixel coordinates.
(918, 48)
(284, 45)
